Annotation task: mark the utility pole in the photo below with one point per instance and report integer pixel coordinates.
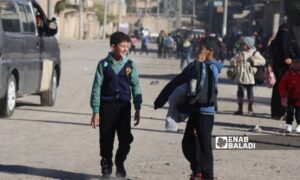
(224, 29)
(211, 8)
(157, 12)
(146, 6)
(80, 18)
(251, 16)
(157, 15)
(194, 11)
(104, 19)
(49, 9)
(120, 11)
(178, 13)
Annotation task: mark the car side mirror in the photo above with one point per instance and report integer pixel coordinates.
(51, 28)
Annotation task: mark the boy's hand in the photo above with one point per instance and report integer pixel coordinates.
(202, 57)
(95, 121)
(137, 117)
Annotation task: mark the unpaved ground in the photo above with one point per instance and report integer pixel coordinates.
(44, 143)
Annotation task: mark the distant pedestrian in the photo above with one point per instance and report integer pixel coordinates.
(178, 42)
(145, 43)
(133, 43)
(244, 62)
(169, 44)
(281, 50)
(289, 88)
(115, 79)
(160, 43)
(186, 52)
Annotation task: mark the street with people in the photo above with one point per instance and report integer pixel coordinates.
(58, 142)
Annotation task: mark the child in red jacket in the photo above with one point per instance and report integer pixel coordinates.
(289, 89)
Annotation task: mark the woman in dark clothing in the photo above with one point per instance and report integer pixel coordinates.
(282, 48)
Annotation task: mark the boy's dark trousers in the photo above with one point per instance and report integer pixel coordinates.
(115, 117)
(291, 111)
(196, 143)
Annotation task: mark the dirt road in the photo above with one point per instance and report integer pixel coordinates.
(58, 143)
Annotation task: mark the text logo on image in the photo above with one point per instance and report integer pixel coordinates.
(234, 142)
(221, 142)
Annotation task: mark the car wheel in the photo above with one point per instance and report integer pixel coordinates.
(8, 103)
(48, 97)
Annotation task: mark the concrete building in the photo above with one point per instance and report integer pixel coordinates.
(69, 20)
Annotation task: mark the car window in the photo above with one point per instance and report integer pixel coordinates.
(30, 18)
(9, 17)
(27, 18)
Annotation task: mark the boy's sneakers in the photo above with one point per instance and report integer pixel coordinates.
(106, 166)
(238, 112)
(298, 129)
(121, 172)
(288, 128)
(256, 129)
(171, 125)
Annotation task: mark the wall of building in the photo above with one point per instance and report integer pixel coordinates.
(154, 24)
(68, 25)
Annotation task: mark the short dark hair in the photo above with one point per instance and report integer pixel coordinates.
(212, 43)
(118, 37)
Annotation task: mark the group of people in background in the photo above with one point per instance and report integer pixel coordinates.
(275, 52)
(201, 57)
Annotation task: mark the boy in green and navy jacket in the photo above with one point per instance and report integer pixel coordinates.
(115, 79)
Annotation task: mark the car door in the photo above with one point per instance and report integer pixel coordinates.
(32, 58)
(13, 44)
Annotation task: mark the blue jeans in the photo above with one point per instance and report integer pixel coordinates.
(185, 60)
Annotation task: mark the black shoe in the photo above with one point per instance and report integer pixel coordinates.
(121, 172)
(106, 166)
(238, 113)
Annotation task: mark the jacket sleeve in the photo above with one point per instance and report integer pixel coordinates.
(162, 98)
(258, 59)
(233, 60)
(96, 89)
(283, 86)
(135, 88)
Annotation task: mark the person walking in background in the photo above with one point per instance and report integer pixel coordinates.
(160, 43)
(244, 63)
(289, 88)
(186, 51)
(145, 43)
(178, 41)
(133, 44)
(196, 143)
(281, 50)
(169, 44)
(115, 79)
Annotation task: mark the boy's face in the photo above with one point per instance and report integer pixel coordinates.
(120, 50)
(205, 53)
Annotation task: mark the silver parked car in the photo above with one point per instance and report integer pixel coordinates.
(29, 54)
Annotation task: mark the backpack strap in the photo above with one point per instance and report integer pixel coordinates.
(211, 81)
(254, 53)
(198, 68)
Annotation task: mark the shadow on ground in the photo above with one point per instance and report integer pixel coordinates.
(43, 172)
